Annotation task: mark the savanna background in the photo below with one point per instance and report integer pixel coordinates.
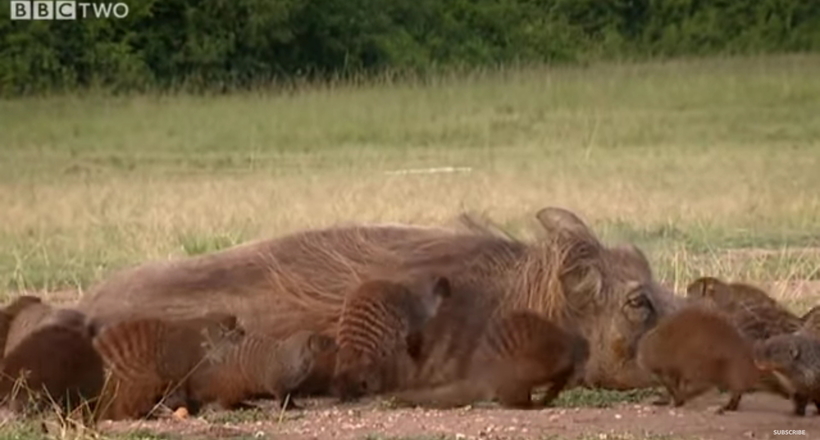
(688, 127)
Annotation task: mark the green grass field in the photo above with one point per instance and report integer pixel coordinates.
(710, 165)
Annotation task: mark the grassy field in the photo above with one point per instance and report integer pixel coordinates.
(710, 165)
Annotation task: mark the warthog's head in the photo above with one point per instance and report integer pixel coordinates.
(611, 295)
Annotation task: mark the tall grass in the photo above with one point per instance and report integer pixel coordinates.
(710, 165)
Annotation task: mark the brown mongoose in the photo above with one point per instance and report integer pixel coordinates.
(695, 349)
(19, 318)
(811, 322)
(795, 361)
(261, 365)
(518, 352)
(150, 358)
(756, 314)
(379, 331)
(59, 365)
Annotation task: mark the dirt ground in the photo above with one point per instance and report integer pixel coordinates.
(758, 418)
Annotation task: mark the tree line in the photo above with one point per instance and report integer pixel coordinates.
(227, 44)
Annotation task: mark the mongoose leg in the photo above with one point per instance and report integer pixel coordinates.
(732, 404)
(671, 386)
(555, 388)
(689, 390)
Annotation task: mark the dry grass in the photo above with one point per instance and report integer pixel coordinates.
(709, 165)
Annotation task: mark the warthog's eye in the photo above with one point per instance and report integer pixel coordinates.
(638, 307)
(638, 300)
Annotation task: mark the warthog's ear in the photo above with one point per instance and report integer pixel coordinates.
(581, 252)
(562, 222)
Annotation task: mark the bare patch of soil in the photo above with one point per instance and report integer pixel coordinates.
(758, 418)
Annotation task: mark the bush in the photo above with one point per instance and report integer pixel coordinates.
(226, 44)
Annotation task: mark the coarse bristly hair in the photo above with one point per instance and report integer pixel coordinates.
(298, 282)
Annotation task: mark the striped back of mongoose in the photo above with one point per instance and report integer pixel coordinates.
(379, 329)
(520, 350)
(795, 361)
(20, 318)
(262, 365)
(61, 365)
(149, 358)
(757, 315)
(811, 322)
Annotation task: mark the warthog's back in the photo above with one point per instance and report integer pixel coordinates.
(267, 284)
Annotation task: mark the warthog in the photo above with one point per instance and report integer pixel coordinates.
(298, 282)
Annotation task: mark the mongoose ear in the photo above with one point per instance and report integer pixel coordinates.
(442, 287)
(794, 352)
(695, 289)
(711, 287)
(701, 287)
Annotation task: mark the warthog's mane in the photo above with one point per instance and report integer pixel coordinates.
(525, 275)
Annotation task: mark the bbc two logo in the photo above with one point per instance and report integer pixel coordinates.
(65, 10)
